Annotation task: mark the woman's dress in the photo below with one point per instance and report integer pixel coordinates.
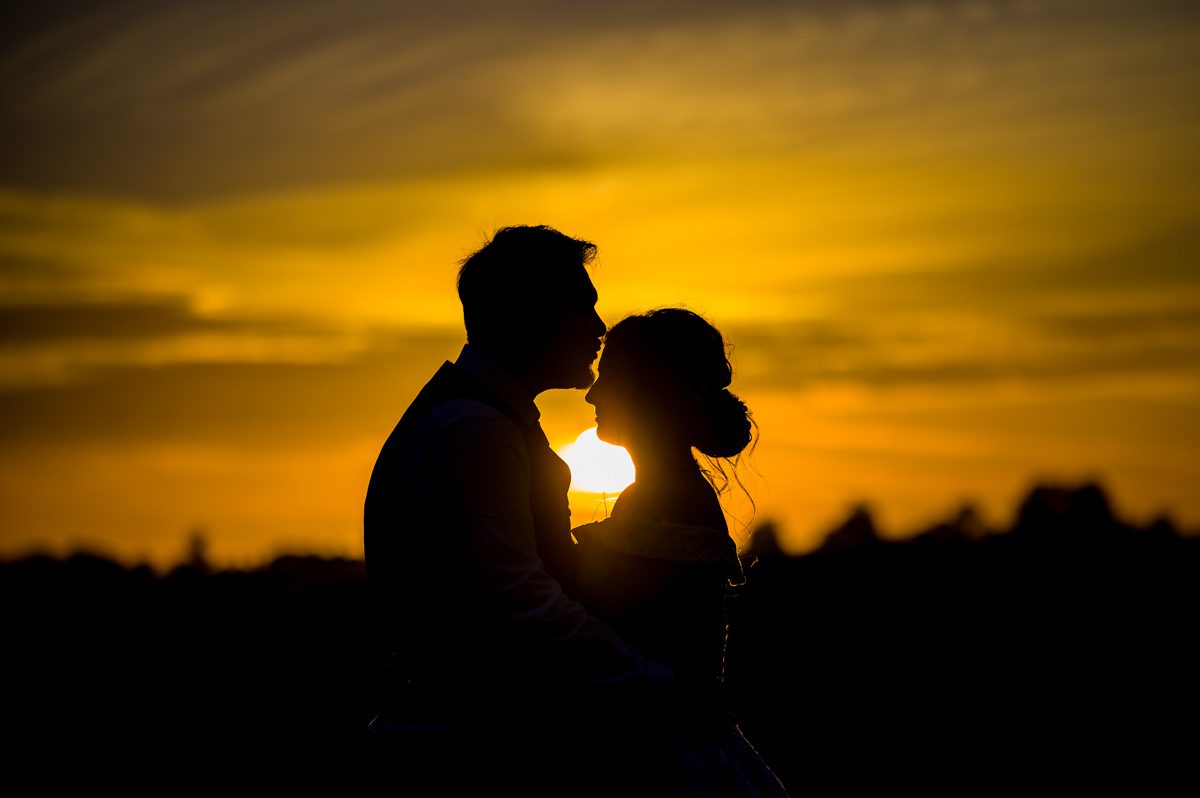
(663, 587)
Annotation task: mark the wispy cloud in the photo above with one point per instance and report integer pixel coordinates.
(203, 99)
(223, 395)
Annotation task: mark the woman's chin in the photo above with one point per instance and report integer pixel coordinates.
(606, 436)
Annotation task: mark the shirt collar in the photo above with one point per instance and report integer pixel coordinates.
(476, 363)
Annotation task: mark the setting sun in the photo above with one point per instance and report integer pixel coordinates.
(596, 466)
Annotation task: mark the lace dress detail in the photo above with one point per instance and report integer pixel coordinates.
(663, 540)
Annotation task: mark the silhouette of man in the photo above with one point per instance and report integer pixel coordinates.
(497, 675)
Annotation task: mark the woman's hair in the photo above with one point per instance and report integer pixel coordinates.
(684, 360)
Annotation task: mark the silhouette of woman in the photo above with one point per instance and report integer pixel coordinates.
(659, 569)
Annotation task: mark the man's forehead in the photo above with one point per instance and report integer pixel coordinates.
(587, 289)
(574, 285)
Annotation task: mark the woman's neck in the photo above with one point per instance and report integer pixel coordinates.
(671, 486)
(655, 460)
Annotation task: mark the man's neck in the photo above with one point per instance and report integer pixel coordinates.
(516, 368)
(506, 386)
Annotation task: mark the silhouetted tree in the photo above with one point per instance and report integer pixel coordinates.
(857, 531)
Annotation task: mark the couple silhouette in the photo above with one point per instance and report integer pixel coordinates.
(527, 656)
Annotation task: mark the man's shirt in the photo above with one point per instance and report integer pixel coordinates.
(472, 459)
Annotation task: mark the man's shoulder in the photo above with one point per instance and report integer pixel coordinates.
(449, 416)
(460, 415)
(461, 420)
(452, 396)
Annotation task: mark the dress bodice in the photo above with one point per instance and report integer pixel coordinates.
(662, 586)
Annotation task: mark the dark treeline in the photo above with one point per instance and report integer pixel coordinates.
(1055, 652)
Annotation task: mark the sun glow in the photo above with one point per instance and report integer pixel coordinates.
(596, 466)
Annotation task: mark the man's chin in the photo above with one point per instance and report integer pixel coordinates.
(579, 378)
(585, 381)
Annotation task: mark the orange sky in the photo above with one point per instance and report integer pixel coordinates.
(953, 244)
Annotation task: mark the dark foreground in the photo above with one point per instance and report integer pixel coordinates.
(1055, 654)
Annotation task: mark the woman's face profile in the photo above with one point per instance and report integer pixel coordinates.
(614, 396)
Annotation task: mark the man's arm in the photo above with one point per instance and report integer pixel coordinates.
(482, 462)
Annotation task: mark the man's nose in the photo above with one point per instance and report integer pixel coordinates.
(598, 325)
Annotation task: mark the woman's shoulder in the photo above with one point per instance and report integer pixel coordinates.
(684, 497)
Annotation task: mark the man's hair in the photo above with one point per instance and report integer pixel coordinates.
(514, 274)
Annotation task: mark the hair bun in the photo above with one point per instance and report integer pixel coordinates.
(724, 428)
